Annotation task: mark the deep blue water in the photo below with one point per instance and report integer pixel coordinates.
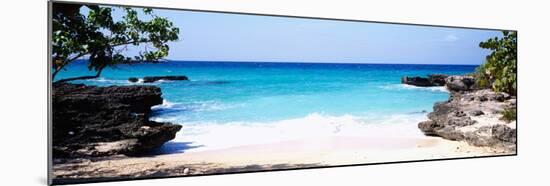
(231, 93)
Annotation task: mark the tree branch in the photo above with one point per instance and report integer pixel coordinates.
(55, 72)
(80, 77)
(114, 45)
(66, 62)
(60, 67)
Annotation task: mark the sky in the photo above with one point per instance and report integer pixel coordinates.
(234, 37)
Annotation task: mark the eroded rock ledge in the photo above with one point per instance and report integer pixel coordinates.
(101, 121)
(472, 115)
(151, 79)
(430, 81)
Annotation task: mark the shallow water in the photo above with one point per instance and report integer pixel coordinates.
(235, 103)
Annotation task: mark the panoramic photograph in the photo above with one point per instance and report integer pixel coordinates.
(150, 93)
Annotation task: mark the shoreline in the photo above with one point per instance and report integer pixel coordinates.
(201, 137)
(353, 144)
(312, 152)
(477, 115)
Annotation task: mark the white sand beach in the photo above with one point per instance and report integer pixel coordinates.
(329, 151)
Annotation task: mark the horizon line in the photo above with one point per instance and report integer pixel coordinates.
(310, 62)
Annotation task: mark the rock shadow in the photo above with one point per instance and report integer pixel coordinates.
(174, 147)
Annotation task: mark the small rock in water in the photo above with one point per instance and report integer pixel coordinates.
(151, 79)
(133, 79)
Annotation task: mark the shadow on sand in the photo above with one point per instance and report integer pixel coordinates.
(175, 147)
(183, 170)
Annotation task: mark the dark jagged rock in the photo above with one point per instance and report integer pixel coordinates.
(476, 113)
(430, 81)
(150, 79)
(133, 79)
(100, 121)
(429, 127)
(473, 116)
(416, 81)
(460, 83)
(437, 79)
(504, 133)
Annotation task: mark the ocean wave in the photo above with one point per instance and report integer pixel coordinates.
(140, 81)
(107, 81)
(201, 83)
(215, 135)
(163, 81)
(411, 87)
(165, 105)
(192, 106)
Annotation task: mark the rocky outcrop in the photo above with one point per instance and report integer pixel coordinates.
(430, 81)
(151, 79)
(101, 121)
(133, 79)
(473, 116)
(460, 83)
(437, 79)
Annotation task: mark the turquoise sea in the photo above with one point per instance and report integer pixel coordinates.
(234, 103)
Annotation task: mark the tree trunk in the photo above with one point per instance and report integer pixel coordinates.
(55, 73)
(80, 77)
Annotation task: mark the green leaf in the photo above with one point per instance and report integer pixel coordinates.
(98, 35)
(500, 66)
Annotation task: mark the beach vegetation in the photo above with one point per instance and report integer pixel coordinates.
(103, 40)
(509, 114)
(499, 71)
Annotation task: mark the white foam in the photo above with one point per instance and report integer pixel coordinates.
(163, 81)
(223, 135)
(411, 87)
(165, 105)
(140, 81)
(209, 106)
(193, 106)
(105, 80)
